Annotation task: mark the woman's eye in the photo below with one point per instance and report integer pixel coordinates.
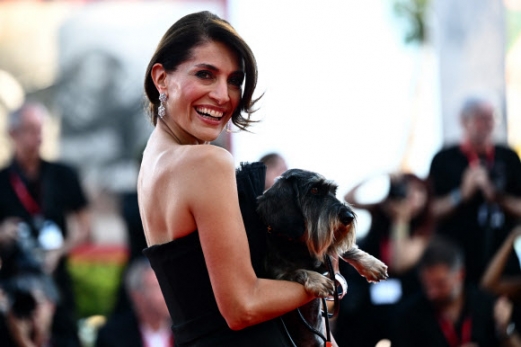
(236, 81)
(204, 74)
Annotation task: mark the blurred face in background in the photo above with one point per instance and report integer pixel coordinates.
(416, 197)
(441, 284)
(27, 135)
(154, 295)
(274, 170)
(479, 125)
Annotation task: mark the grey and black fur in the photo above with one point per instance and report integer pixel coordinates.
(305, 222)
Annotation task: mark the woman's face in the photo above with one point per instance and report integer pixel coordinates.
(203, 92)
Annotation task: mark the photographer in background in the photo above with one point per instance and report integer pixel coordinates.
(401, 227)
(447, 311)
(477, 189)
(37, 198)
(27, 306)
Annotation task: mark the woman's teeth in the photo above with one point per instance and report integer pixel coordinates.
(209, 113)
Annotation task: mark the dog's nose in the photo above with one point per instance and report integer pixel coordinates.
(346, 216)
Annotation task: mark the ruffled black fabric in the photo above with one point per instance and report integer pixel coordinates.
(250, 185)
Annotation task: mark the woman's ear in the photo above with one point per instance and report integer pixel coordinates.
(159, 75)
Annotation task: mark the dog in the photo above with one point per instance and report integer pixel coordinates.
(307, 223)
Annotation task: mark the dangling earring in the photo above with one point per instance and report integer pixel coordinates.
(161, 111)
(229, 127)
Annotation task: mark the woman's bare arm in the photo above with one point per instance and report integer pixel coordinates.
(242, 298)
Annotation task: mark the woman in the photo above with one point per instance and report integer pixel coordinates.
(189, 197)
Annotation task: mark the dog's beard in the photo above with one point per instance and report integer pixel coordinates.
(328, 235)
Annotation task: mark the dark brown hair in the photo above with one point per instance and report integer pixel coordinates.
(176, 47)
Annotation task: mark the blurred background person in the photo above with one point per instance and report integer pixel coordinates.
(508, 288)
(477, 189)
(447, 312)
(135, 236)
(147, 324)
(40, 197)
(28, 302)
(275, 166)
(400, 229)
(506, 322)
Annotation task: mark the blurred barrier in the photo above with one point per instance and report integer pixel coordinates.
(96, 273)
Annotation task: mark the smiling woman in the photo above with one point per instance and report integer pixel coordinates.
(206, 243)
(203, 91)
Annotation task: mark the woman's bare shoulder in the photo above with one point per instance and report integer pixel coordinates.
(192, 169)
(207, 160)
(192, 160)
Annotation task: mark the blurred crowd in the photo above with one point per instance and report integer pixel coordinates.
(44, 217)
(448, 240)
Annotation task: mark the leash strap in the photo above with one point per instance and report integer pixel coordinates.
(326, 317)
(336, 300)
(310, 328)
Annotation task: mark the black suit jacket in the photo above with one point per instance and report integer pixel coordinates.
(416, 324)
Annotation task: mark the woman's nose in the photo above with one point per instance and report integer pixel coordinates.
(219, 92)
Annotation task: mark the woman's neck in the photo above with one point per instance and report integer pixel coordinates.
(177, 134)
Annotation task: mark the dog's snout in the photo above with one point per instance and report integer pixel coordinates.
(346, 216)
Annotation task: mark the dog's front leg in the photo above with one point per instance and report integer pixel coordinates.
(314, 283)
(368, 266)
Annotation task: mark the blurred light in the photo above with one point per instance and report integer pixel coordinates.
(11, 92)
(363, 222)
(373, 190)
(383, 343)
(514, 5)
(517, 248)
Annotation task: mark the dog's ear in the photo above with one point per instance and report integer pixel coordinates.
(280, 210)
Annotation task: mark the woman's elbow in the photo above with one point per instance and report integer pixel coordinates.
(238, 316)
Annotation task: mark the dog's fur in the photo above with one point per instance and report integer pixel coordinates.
(305, 222)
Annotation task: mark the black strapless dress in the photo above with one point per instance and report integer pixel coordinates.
(182, 274)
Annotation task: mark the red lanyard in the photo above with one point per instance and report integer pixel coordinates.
(23, 194)
(451, 335)
(472, 155)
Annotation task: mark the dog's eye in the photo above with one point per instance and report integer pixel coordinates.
(314, 190)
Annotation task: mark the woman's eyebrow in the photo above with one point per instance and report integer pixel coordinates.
(207, 66)
(214, 68)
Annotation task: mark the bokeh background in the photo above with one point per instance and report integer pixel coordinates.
(352, 89)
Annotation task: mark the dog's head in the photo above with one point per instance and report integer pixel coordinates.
(302, 206)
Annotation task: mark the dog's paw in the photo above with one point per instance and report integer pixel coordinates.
(376, 272)
(319, 285)
(367, 266)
